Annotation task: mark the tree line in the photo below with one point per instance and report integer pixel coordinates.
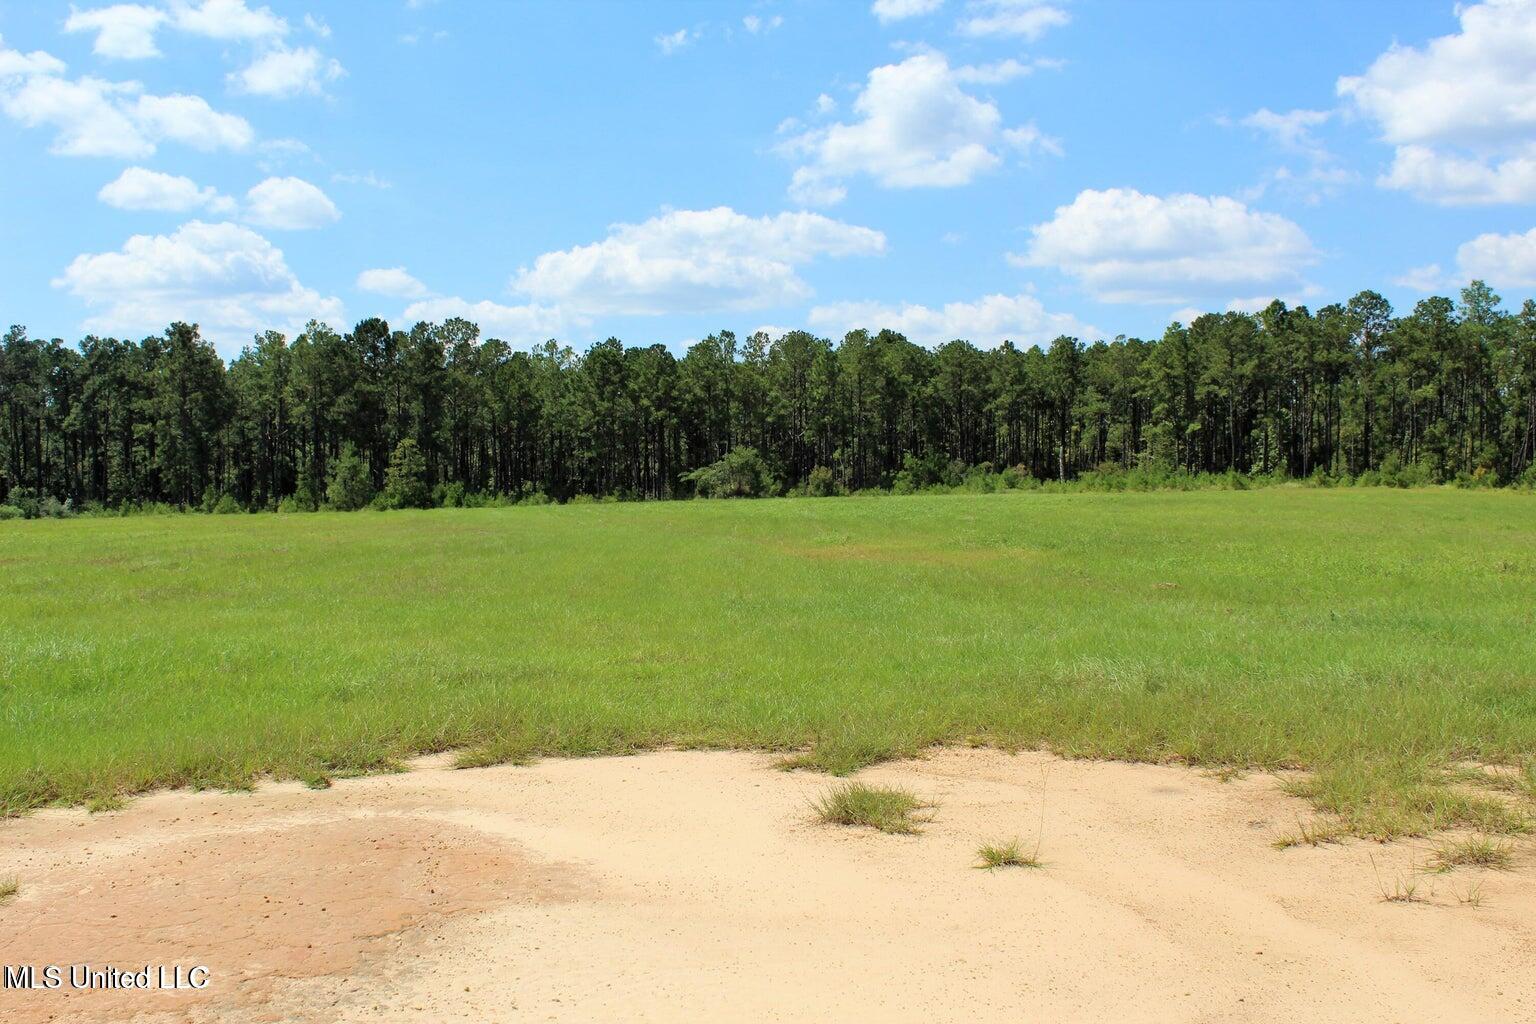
(1444, 392)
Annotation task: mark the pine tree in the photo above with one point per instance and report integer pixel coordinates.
(405, 482)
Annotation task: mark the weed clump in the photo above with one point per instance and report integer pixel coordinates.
(894, 811)
(1010, 854)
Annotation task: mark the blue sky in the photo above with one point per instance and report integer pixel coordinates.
(976, 168)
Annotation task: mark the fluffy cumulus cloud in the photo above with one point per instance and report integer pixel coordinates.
(516, 325)
(897, 10)
(1025, 19)
(1125, 246)
(139, 188)
(1508, 261)
(917, 128)
(224, 277)
(127, 31)
(291, 204)
(123, 31)
(1461, 110)
(227, 20)
(286, 203)
(394, 281)
(987, 322)
(694, 261)
(94, 117)
(282, 72)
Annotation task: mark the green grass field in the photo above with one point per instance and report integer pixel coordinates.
(1384, 639)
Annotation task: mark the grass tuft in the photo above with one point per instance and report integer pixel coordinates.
(1316, 832)
(1404, 889)
(890, 810)
(1474, 851)
(8, 887)
(105, 803)
(1473, 897)
(1010, 854)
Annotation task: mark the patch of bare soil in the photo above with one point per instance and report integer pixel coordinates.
(689, 886)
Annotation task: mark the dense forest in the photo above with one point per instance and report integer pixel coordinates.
(434, 413)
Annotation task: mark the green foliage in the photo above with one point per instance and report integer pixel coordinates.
(452, 495)
(822, 483)
(349, 488)
(11, 512)
(1348, 394)
(741, 474)
(405, 481)
(226, 505)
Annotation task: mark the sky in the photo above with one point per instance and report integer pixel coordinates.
(983, 169)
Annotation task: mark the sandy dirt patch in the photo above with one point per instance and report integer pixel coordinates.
(692, 886)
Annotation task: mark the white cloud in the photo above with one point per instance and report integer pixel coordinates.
(124, 31)
(224, 277)
(825, 104)
(918, 128)
(1124, 246)
(896, 10)
(391, 281)
(227, 20)
(987, 322)
(1453, 180)
(754, 24)
(89, 116)
(192, 122)
(1505, 260)
(672, 42)
(1291, 130)
(282, 72)
(317, 26)
(139, 188)
(694, 261)
(94, 117)
(1461, 110)
(366, 178)
(15, 65)
(995, 73)
(1422, 279)
(1029, 19)
(518, 325)
(290, 204)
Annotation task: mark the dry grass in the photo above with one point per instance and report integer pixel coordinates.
(9, 887)
(890, 810)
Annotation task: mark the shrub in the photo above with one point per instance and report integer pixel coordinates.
(741, 474)
(25, 499)
(349, 488)
(821, 483)
(226, 505)
(10, 512)
(452, 495)
(405, 481)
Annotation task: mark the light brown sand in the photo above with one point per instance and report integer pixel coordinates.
(689, 886)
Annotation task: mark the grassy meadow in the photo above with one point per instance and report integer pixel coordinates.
(1384, 639)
